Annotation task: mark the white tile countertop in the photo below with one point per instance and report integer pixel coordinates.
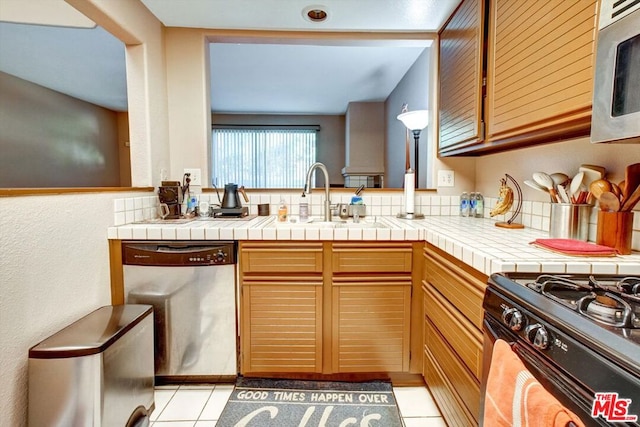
(475, 241)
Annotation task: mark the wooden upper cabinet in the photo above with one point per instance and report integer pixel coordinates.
(461, 75)
(540, 70)
(538, 59)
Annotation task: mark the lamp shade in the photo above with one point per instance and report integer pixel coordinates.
(415, 120)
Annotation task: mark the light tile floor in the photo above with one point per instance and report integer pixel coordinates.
(200, 406)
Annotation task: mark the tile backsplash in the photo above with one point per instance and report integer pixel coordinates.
(135, 209)
(534, 215)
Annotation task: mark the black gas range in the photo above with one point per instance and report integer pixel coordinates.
(579, 335)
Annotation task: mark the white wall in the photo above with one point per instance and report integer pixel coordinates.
(413, 90)
(49, 139)
(564, 156)
(54, 269)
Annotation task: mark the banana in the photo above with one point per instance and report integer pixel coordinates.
(505, 199)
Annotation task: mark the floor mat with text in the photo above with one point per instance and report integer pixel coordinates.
(284, 403)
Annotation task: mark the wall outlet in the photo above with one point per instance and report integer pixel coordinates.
(196, 176)
(446, 178)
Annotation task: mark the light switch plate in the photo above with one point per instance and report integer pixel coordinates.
(446, 178)
(196, 176)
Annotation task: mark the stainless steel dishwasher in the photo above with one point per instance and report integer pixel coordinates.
(192, 288)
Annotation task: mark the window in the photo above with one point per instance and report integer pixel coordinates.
(259, 157)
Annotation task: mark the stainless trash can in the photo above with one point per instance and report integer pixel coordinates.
(97, 372)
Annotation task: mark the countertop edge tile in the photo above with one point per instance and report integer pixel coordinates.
(477, 242)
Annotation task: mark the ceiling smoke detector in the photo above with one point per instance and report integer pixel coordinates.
(315, 13)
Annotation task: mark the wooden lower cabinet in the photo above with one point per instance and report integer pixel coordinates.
(371, 327)
(281, 287)
(452, 335)
(282, 326)
(338, 307)
(371, 306)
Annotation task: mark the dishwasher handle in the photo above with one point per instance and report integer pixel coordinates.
(178, 254)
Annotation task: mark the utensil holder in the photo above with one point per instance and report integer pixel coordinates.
(569, 221)
(615, 230)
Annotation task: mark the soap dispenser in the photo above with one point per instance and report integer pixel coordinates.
(304, 208)
(282, 211)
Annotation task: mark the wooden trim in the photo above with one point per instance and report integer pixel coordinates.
(116, 272)
(14, 192)
(417, 309)
(261, 246)
(327, 312)
(338, 38)
(577, 128)
(359, 280)
(284, 281)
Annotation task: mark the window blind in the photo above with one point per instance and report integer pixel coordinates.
(262, 158)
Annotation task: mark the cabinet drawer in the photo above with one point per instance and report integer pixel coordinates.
(280, 257)
(372, 258)
(451, 371)
(453, 410)
(457, 282)
(461, 335)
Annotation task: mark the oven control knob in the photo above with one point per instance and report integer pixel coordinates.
(538, 336)
(513, 318)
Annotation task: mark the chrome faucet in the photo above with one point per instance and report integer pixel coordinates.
(307, 187)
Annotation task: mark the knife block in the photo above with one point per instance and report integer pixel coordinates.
(614, 230)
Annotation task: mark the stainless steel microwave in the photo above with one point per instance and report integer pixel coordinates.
(616, 91)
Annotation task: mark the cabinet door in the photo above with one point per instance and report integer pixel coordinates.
(282, 326)
(461, 69)
(371, 306)
(371, 325)
(540, 70)
(281, 307)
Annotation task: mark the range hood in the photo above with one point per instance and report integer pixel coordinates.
(364, 144)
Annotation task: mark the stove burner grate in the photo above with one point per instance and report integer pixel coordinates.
(611, 301)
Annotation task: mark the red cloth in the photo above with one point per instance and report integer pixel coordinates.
(574, 247)
(515, 397)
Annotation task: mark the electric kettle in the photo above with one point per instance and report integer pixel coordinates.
(231, 198)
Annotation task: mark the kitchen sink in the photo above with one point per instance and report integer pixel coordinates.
(165, 221)
(338, 223)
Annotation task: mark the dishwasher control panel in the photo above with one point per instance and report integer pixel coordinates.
(178, 254)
